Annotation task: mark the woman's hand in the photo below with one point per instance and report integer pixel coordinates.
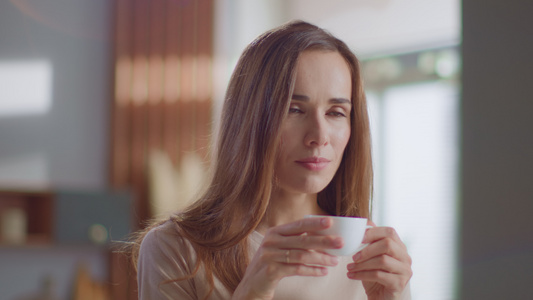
(285, 251)
(384, 265)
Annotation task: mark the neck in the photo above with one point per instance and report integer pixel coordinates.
(286, 207)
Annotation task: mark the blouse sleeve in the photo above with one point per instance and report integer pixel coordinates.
(164, 256)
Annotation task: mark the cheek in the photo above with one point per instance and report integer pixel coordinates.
(341, 139)
(284, 147)
(290, 135)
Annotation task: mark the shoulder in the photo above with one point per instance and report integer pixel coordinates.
(164, 257)
(163, 245)
(164, 238)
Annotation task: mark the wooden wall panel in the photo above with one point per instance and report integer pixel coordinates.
(162, 56)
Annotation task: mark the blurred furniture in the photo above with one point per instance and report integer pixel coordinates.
(37, 214)
(86, 288)
(60, 227)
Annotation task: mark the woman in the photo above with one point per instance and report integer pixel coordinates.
(294, 140)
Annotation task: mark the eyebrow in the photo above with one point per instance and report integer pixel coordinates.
(332, 100)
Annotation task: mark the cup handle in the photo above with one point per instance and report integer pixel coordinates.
(363, 246)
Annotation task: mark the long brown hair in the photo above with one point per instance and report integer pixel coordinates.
(257, 100)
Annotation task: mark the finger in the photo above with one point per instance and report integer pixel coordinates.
(304, 270)
(369, 222)
(311, 242)
(302, 226)
(305, 242)
(383, 263)
(277, 270)
(282, 263)
(378, 233)
(294, 256)
(392, 282)
(385, 246)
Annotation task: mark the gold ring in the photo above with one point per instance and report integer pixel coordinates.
(287, 254)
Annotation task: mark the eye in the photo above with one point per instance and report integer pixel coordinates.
(295, 110)
(337, 114)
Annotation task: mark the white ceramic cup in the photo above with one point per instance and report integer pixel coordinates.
(350, 229)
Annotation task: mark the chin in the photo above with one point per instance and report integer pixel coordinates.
(304, 184)
(314, 188)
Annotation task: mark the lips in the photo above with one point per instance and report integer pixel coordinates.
(314, 163)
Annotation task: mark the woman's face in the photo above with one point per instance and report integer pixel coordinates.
(317, 127)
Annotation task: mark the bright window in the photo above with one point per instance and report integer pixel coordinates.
(26, 87)
(415, 147)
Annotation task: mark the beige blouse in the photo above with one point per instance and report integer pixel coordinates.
(165, 255)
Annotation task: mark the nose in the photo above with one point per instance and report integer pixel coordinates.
(316, 133)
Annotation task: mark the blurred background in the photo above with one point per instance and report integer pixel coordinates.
(107, 110)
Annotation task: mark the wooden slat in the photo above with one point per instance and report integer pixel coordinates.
(187, 108)
(205, 52)
(156, 73)
(172, 80)
(119, 145)
(122, 277)
(139, 118)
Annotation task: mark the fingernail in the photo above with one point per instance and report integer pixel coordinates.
(324, 221)
(351, 266)
(334, 260)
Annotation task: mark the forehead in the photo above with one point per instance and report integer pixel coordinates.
(323, 69)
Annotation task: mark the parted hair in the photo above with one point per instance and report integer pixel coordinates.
(241, 179)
